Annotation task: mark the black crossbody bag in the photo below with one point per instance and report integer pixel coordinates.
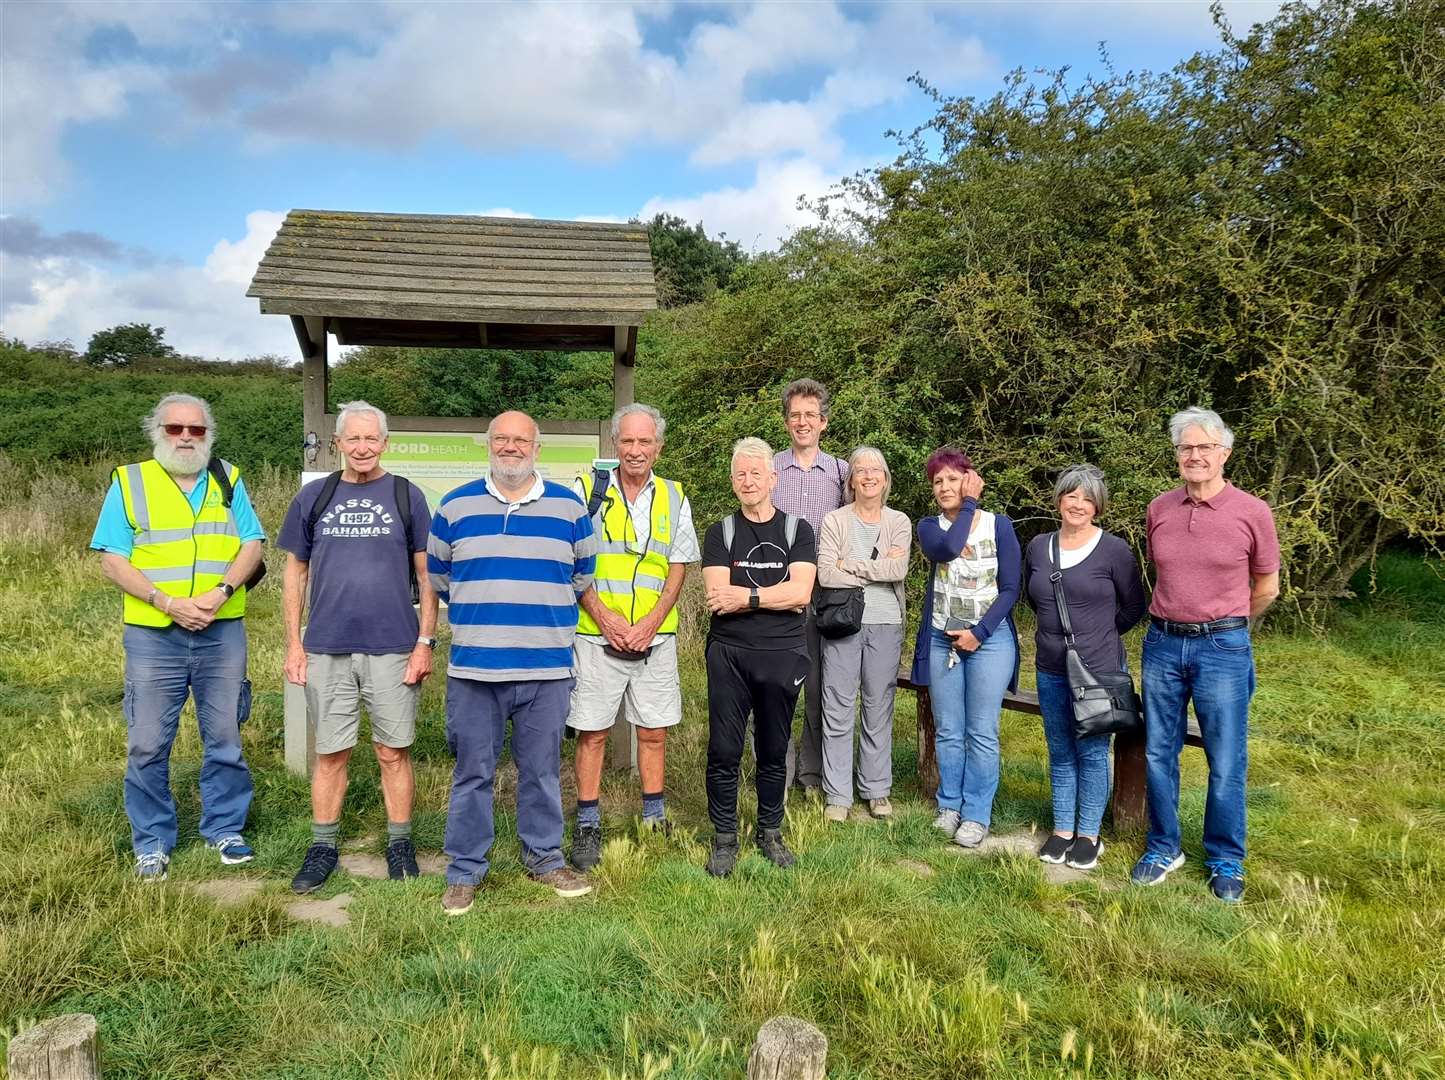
(1104, 703)
(839, 611)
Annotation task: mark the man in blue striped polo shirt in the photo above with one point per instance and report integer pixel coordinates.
(509, 554)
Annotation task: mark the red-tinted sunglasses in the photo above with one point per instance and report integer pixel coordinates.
(198, 431)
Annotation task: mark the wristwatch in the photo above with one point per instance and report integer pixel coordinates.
(227, 588)
(753, 599)
(429, 642)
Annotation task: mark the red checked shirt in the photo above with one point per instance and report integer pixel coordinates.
(1205, 553)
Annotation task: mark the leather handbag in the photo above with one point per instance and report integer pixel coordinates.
(839, 611)
(1104, 703)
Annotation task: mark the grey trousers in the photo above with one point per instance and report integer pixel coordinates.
(870, 658)
(805, 758)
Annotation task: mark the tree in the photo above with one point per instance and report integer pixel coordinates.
(121, 346)
(689, 265)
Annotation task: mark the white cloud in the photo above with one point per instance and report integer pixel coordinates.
(759, 216)
(204, 308)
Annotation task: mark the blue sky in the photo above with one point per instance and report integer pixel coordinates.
(149, 150)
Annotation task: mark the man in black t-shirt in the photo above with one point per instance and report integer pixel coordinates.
(758, 566)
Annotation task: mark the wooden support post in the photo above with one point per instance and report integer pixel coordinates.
(316, 424)
(61, 1048)
(622, 744)
(1127, 804)
(927, 758)
(788, 1049)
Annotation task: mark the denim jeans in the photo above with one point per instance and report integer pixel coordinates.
(477, 715)
(162, 666)
(1216, 671)
(1078, 768)
(967, 699)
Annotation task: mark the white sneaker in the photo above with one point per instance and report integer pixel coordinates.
(970, 834)
(947, 821)
(151, 867)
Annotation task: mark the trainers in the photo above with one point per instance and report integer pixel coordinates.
(457, 900)
(1084, 853)
(151, 867)
(1055, 848)
(234, 850)
(832, 812)
(316, 867)
(1153, 867)
(724, 854)
(587, 847)
(880, 808)
(1226, 880)
(770, 843)
(970, 834)
(947, 821)
(565, 882)
(401, 860)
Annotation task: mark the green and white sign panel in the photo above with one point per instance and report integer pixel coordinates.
(438, 461)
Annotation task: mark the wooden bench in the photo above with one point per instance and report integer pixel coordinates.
(1126, 804)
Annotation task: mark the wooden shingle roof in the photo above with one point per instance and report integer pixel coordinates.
(426, 270)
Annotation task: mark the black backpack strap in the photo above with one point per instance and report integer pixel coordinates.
(323, 500)
(601, 480)
(218, 469)
(401, 495)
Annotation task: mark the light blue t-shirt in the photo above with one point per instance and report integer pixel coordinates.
(113, 531)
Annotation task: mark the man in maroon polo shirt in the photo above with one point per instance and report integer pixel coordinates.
(1216, 562)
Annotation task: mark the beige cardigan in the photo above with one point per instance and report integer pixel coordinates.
(896, 532)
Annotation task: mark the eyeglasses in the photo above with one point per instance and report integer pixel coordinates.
(800, 417)
(198, 431)
(1188, 449)
(511, 440)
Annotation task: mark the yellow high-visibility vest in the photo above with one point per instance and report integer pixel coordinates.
(631, 570)
(181, 552)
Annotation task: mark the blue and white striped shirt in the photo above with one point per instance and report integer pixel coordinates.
(511, 573)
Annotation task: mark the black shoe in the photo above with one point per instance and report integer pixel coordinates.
(724, 855)
(316, 867)
(1084, 853)
(1055, 848)
(587, 847)
(401, 860)
(770, 843)
(661, 825)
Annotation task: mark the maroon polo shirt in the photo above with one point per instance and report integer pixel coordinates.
(1205, 553)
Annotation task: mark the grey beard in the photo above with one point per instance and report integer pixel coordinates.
(182, 463)
(512, 475)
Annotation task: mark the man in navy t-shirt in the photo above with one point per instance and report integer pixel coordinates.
(364, 642)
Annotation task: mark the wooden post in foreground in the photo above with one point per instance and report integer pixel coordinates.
(61, 1048)
(788, 1049)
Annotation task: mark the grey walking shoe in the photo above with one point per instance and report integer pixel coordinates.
(587, 847)
(770, 843)
(947, 821)
(880, 808)
(724, 854)
(970, 834)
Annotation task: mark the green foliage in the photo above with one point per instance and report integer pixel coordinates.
(688, 264)
(121, 346)
(1046, 275)
(53, 409)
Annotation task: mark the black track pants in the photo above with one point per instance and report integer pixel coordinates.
(766, 683)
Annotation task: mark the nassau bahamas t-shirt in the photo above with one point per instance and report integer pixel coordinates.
(360, 588)
(760, 557)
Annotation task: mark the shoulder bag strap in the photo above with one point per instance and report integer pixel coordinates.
(1057, 577)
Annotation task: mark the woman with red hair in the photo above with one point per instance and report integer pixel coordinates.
(967, 648)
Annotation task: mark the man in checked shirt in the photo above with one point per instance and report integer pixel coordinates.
(811, 483)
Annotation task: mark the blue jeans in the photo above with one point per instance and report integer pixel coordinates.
(477, 715)
(162, 666)
(1217, 672)
(967, 699)
(1078, 768)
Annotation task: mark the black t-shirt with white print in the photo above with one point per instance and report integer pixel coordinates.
(760, 557)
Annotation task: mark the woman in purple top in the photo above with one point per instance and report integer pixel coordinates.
(967, 649)
(1106, 598)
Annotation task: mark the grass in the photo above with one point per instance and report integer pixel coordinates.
(914, 960)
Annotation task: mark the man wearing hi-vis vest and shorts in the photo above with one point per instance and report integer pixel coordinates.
(180, 540)
(626, 645)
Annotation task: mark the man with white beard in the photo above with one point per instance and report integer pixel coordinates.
(510, 554)
(180, 548)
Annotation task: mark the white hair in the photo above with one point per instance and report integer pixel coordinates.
(752, 447)
(636, 409)
(858, 455)
(1205, 419)
(360, 408)
(153, 423)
